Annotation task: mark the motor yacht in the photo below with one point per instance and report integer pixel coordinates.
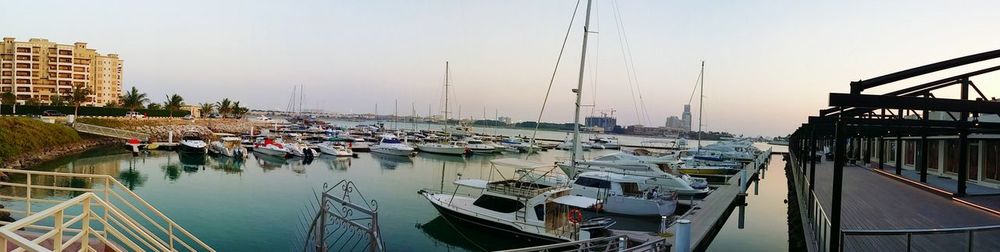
(390, 145)
(271, 147)
(663, 176)
(619, 194)
(334, 149)
(227, 145)
(520, 208)
(479, 147)
(451, 148)
(192, 142)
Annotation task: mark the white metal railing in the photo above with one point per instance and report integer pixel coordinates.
(98, 201)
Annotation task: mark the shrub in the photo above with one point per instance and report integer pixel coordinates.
(21, 135)
(88, 111)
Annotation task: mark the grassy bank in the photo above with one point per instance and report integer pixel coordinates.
(22, 135)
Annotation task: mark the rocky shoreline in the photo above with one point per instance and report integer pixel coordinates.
(51, 153)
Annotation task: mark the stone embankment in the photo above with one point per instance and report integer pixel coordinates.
(35, 157)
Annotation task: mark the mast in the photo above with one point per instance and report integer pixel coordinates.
(701, 101)
(301, 93)
(579, 93)
(395, 114)
(446, 97)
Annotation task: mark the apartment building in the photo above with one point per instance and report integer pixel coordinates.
(41, 70)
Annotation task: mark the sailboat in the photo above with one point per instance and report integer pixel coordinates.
(449, 148)
(663, 180)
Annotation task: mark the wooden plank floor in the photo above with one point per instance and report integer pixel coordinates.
(710, 210)
(874, 201)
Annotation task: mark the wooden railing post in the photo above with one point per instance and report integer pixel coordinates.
(58, 226)
(85, 241)
(27, 197)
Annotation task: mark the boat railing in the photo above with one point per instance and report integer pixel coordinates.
(98, 201)
(608, 243)
(515, 190)
(959, 239)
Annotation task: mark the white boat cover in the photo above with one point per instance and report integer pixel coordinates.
(576, 201)
(474, 183)
(519, 163)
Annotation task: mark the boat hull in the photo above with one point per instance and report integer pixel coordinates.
(439, 150)
(192, 149)
(454, 216)
(394, 152)
(270, 152)
(719, 171)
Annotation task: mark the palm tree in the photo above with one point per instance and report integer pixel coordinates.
(133, 99)
(154, 106)
(79, 96)
(57, 101)
(206, 108)
(174, 102)
(225, 107)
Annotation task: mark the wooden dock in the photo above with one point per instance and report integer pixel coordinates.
(876, 202)
(708, 214)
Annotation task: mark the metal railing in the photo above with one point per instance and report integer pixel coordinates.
(125, 218)
(609, 243)
(951, 239)
(109, 132)
(817, 220)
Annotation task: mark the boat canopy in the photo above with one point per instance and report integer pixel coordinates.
(576, 201)
(519, 163)
(474, 183)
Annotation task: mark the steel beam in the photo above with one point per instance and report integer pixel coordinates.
(840, 140)
(915, 103)
(858, 86)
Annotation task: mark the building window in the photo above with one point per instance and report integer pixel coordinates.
(991, 163)
(910, 153)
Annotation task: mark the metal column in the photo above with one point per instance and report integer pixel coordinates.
(881, 153)
(840, 139)
(963, 145)
(899, 153)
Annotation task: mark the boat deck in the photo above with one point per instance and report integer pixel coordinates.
(872, 201)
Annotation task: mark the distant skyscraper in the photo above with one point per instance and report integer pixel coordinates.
(686, 117)
(605, 122)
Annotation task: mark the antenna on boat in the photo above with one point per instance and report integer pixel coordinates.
(579, 92)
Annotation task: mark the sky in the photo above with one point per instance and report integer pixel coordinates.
(768, 64)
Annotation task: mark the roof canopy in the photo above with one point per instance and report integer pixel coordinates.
(576, 201)
(519, 163)
(474, 183)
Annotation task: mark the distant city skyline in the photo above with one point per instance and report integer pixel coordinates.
(768, 64)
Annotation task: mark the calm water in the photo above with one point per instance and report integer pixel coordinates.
(765, 217)
(257, 205)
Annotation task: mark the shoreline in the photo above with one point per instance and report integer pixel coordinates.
(38, 157)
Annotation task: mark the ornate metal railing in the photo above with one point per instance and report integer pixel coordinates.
(340, 217)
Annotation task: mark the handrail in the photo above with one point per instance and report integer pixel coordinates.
(917, 231)
(174, 233)
(609, 239)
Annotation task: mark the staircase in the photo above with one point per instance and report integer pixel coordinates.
(84, 212)
(109, 132)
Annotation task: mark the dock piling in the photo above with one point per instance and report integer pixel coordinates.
(663, 223)
(683, 235)
(621, 244)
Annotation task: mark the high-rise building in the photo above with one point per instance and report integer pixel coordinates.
(686, 117)
(675, 122)
(604, 122)
(41, 70)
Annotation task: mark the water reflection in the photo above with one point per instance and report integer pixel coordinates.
(336, 163)
(192, 162)
(227, 164)
(390, 162)
(268, 162)
(132, 178)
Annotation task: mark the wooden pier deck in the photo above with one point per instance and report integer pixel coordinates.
(873, 201)
(710, 212)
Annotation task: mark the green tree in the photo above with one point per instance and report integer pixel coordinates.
(112, 104)
(225, 107)
(206, 109)
(32, 102)
(174, 102)
(154, 106)
(79, 96)
(133, 99)
(8, 98)
(238, 111)
(57, 100)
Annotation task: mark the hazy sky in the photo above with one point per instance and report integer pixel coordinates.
(769, 63)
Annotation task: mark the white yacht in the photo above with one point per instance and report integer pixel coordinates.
(662, 176)
(271, 147)
(299, 148)
(443, 148)
(192, 142)
(606, 142)
(521, 208)
(521, 146)
(568, 145)
(478, 146)
(619, 194)
(390, 145)
(228, 145)
(334, 149)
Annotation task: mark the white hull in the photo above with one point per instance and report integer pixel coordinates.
(219, 148)
(392, 151)
(271, 151)
(333, 151)
(636, 206)
(442, 149)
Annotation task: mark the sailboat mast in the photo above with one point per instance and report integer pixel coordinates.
(701, 101)
(579, 92)
(446, 94)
